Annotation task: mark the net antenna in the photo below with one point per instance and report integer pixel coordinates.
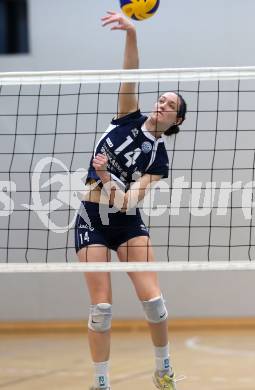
(201, 218)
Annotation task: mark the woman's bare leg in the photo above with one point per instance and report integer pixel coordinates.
(99, 286)
(145, 283)
(147, 288)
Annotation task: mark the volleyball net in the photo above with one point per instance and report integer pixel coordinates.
(200, 218)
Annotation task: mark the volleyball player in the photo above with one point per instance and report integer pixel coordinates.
(128, 159)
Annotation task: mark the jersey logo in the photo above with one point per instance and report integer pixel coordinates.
(109, 142)
(86, 226)
(135, 132)
(144, 228)
(146, 147)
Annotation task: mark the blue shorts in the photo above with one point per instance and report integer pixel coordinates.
(103, 224)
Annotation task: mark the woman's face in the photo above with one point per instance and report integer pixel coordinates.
(166, 109)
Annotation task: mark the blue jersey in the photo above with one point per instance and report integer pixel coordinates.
(131, 150)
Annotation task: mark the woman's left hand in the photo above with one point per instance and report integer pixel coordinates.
(119, 21)
(100, 164)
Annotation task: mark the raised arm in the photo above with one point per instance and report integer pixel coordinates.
(127, 97)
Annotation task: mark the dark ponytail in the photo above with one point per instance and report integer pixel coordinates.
(172, 130)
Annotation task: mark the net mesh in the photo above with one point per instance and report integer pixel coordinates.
(202, 213)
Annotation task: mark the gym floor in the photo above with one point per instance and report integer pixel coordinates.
(209, 359)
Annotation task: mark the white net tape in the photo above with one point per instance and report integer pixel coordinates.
(129, 267)
(140, 75)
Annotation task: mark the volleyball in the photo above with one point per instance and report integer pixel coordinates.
(139, 9)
